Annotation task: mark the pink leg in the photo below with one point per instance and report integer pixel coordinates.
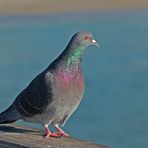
(60, 132)
(57, 134)
(47, 132)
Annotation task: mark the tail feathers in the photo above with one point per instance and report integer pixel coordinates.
(9, 115)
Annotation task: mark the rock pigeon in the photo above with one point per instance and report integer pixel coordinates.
(54, 94)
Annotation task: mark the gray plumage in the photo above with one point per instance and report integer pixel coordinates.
(56, 92)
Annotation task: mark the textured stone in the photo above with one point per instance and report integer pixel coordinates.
(15, 136)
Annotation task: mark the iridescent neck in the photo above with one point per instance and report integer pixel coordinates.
(75, 56)
(69, 60)
(74, 59)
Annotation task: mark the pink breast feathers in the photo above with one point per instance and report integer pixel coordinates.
(71, 78)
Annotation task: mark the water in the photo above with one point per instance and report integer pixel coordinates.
(114, 108)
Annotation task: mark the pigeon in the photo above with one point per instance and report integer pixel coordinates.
(54, 94)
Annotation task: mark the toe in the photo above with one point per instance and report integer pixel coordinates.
(65, 135)
(55, 135)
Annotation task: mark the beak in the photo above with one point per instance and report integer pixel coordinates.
(95, 43)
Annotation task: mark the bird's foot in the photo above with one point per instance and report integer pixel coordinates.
(60, 131)
(57, 134)
(60, 134)
(47, 133)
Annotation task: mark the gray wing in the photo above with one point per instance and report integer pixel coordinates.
(36, 97)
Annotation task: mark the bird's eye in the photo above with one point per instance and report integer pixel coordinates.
(86, 37)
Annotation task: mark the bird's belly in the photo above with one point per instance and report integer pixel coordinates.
(69, 92)
(67, 97)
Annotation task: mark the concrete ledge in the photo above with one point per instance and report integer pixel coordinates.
(15, 136)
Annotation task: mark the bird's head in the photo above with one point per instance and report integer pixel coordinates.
(74, 50)
(85, 39)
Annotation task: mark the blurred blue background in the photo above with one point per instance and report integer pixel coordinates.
(114, 110)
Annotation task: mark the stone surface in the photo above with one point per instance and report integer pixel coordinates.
(15, 136)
